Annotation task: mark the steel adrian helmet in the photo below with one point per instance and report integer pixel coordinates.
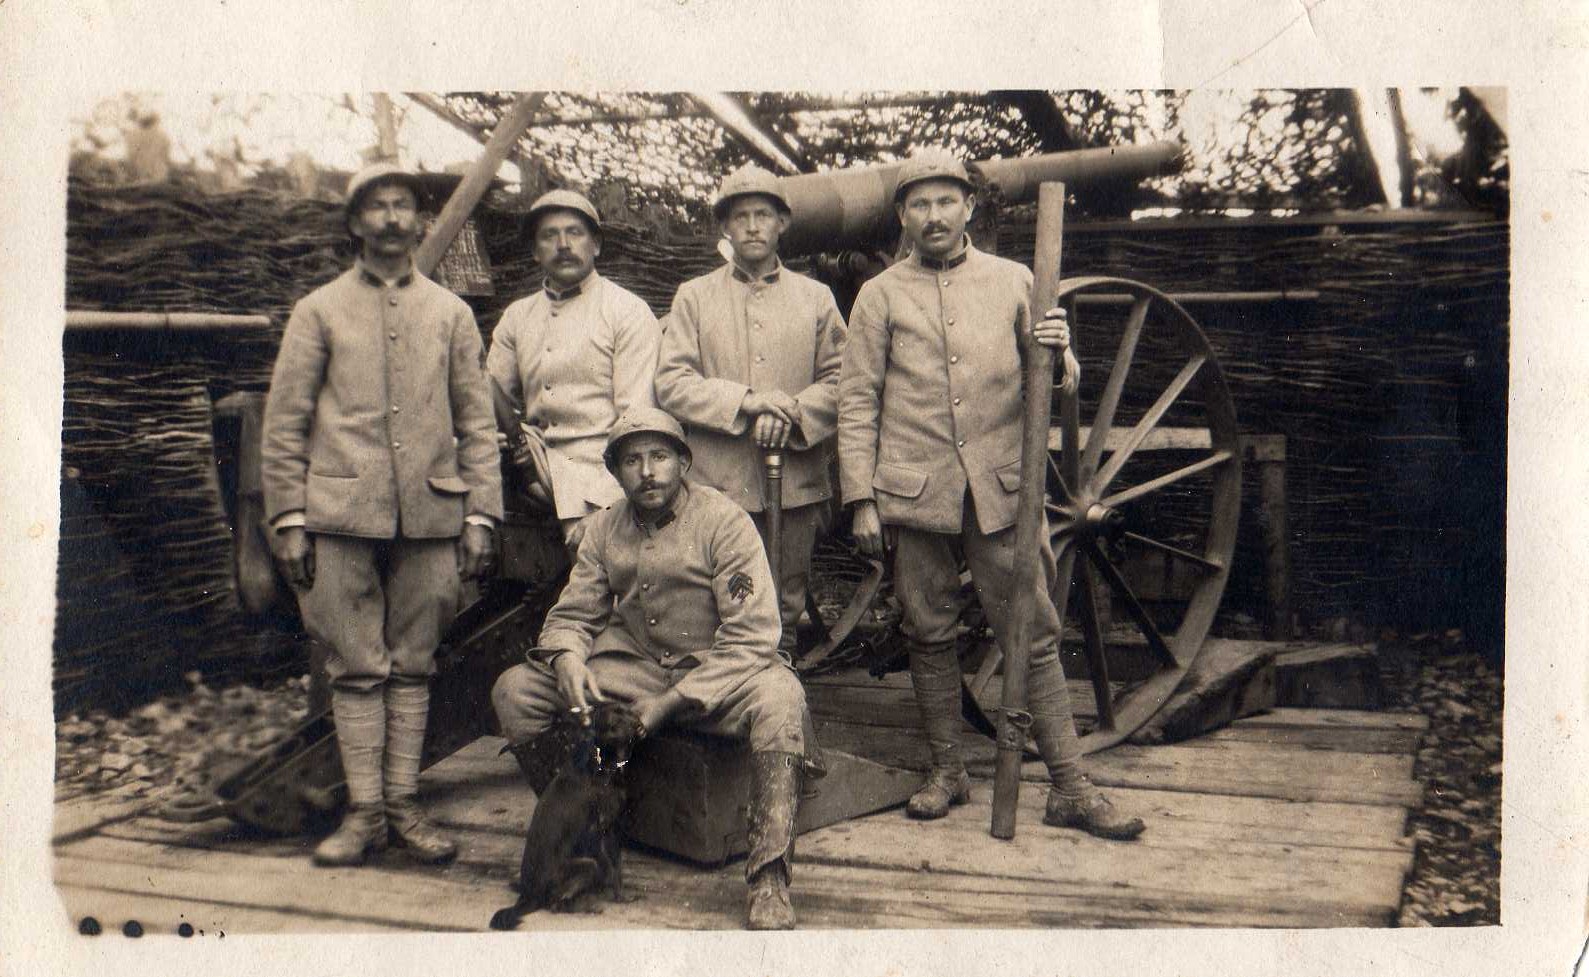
(378, 173)
(564, 200)
(748, 180)
(644, 420)
(932, 164)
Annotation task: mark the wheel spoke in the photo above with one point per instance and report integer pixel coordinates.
(1175, 551)
(1064, 486)
(1139, 614)
(1149, 421)
(1103, 420)
(1092, 634)
(1149, 487)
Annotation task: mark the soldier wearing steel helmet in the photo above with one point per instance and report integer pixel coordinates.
(670, 607)
(382, 485)
(750, 360)
(573, 357)
(930, 460)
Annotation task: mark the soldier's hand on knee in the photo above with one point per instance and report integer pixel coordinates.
(294, 552)
(575, 682)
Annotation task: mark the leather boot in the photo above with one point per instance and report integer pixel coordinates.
(774, 797)
(1085, 806)
(360, 716)
(362, 831)
(407, 709)
(1073, 801)
(935, 674)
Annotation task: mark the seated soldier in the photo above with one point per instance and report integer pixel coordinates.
(670, 606)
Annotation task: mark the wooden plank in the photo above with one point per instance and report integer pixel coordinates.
(1252, 769)
(161, 915)
(82, 815)
(1309, 879)
(1338, 719)
(224, 879)
(828, 892)
(1344, 739)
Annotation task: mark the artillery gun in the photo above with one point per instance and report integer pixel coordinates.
(1164, 391)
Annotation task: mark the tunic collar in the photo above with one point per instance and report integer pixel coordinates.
(573, 290)
(953, 261)
(666, 518)
(741, 275)
(371, 278)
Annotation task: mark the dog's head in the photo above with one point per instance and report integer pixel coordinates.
(614, 727)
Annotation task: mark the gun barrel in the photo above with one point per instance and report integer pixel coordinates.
(849, 208)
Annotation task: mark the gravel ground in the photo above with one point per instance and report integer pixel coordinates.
(181, 740)
(174, 741)
(1456, 875)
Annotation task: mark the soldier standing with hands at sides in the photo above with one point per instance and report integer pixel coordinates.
(930, 459)
(670, 607)
(750, 361)
(382, 487)
(573, 357)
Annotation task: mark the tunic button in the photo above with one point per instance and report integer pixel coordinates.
(951, 322)
(961, 443)
(957, 401)
(645, 586)
(759, 357)
(392, 300)
(396, 409)
(397, 444)
(954, 359)
(554, 313)
(651, 621)
(391, 335)
(548, 386)
(946, 283)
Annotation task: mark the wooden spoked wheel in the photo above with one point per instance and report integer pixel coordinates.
(1153, 480)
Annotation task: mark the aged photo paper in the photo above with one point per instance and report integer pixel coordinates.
(57, 56)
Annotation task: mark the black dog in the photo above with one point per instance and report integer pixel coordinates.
(572, 845)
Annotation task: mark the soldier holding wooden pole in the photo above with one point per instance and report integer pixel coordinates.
(930, 458)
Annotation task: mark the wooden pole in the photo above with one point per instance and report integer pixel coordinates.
(196, 322)
(385, 128)
(1014, 720)
(462, 202)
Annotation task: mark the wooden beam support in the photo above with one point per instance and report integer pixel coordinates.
(463, 200)
(183, 322)
(385, 128)
(731, 115)
(441, 110)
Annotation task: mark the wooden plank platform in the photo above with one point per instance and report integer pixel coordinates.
(1294, 818)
